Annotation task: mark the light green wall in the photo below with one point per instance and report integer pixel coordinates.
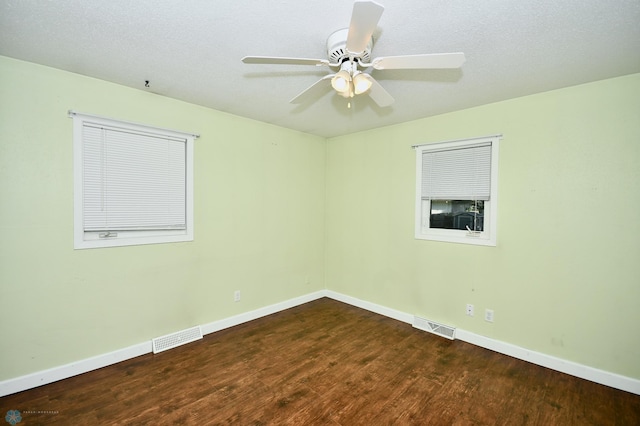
(564, 278)
(259, 224)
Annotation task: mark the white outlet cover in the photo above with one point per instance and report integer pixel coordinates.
(488, 315)
(470, 309)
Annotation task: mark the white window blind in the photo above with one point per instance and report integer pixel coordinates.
(457, 174)
(132, 180)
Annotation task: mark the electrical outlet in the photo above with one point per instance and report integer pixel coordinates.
(488, 315)
(469, 309)
(236, 296)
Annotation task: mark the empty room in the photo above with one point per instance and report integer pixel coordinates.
(322, 212)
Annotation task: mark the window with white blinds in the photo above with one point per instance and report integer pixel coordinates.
(456, 191)
(457, 174)
(133, 183)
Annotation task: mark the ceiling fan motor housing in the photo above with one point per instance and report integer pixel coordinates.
(337, 51)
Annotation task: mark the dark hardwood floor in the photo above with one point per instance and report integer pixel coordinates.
(325, 363)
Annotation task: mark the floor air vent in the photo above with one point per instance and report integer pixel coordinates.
(178, 338)
(434, 327)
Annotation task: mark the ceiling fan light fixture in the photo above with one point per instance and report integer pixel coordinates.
(341, 81)
(361, 83)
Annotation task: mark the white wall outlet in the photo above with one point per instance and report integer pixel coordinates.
(469, 309)
(488, 315)
(236, 296)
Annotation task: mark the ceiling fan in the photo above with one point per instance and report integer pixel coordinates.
(349, 54)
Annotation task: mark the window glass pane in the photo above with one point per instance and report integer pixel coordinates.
(457, 214)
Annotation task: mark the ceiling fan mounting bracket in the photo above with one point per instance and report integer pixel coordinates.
(337, 48)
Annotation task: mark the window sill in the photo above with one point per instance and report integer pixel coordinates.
(478, 240)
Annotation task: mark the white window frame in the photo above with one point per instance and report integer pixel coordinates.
(423, 207)
(95, 239)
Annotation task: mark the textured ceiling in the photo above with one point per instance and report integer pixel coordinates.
(192, 49)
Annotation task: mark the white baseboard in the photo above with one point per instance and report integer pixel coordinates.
(44, 377)
(51, 375)
(568, 367)
(606, 378)
(54, 374)
(372, 307)
(212, 327)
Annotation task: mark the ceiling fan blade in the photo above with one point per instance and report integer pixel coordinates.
(283, 61)
(379, 94)
(364, 20)
(426, 61)
(313, 91)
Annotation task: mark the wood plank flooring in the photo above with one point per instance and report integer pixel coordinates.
(324, 363)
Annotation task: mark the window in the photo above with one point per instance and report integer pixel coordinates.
(133, 184)
(457, 191)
